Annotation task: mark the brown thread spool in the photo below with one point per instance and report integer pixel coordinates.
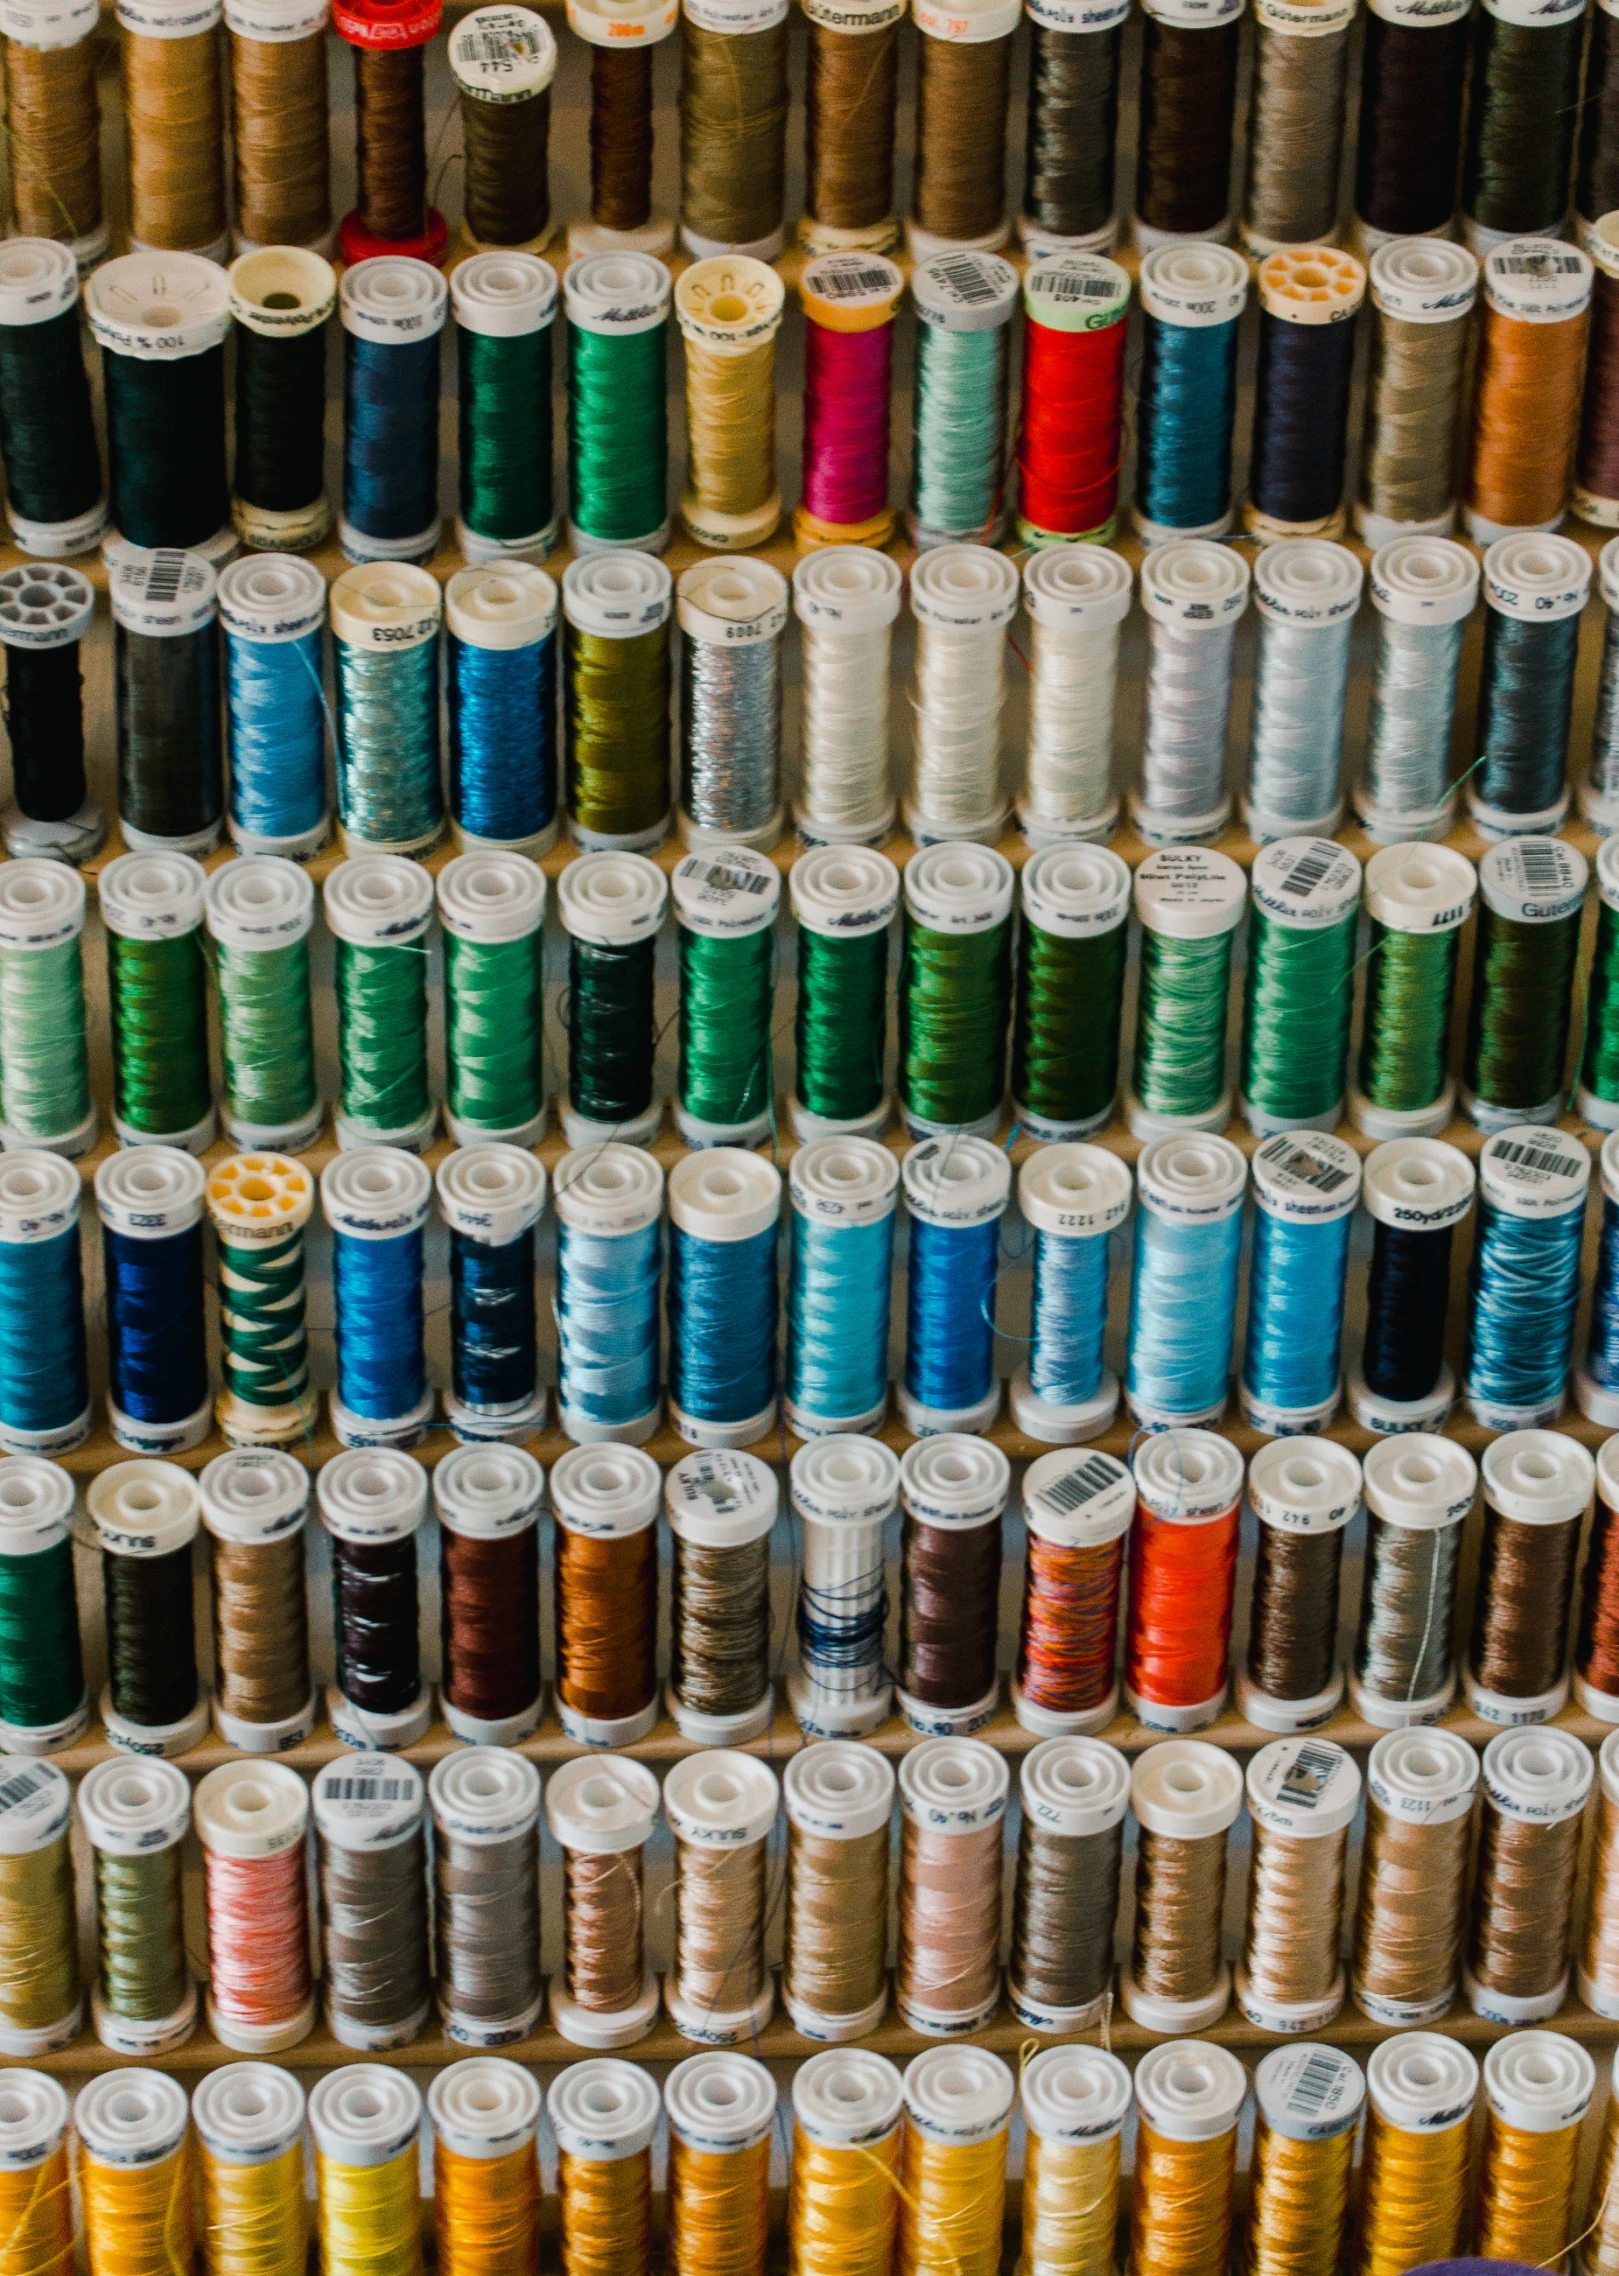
(958, 197)
(54, 125)
(1413, 1876)
(605, 1500)
(174, 110)
(1526, 390)
(1077, 1508)
(390, 129)
(279, 113)
(1535, 1785)
(1295, 123)
(733, 127)
(1183, 151)
(1075, 1792)
(602, 1811)
(1420, 2092)
(1596, 464)
(1071, 134)
(372, 1867)
(953, 1795)
(488, 1500)
(1303, 1492)
(486, 1894)
(954, 1490)
(1599, 1939)
(850, 97)
(1537, 2089)
(1537, 1489)
(1596, 170)
(720, 1806)
(1303, 1794)
(1422, 290)
(839, 1799)
(621, 35)
(254, 1506)
(503, 60)
(1186, 1795)
(721, 1507)
(729, 310)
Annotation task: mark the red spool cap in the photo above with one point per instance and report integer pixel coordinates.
(387, 23)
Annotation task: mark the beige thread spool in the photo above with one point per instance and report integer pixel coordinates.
(839, 1798)
(174, 105)
(1422, 291)
(1295, 123)
(1075, 2103)
(1413, 1876)
(948, 1978)
(1186, 1796)
(54, 125)
(279, 106)
(959, 198)
(602, 1809)
(1598, 1980)
(255, 1505)
(1303, 1794)
(733, 127)
(720, 1806)
(1535, 1784)
(729, 309)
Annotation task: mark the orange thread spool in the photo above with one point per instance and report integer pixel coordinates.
(606, 1501)
(1183, 1569)
(486, 2177)
(1190, 2097)
(720, 2108)
(1526, 390)
(36, 2189)
(603, 2114)
(135, 2175)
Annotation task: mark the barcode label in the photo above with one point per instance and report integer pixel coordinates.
(723, 880)
(494, 47)
(1317, 2083)
(1541, 865)
(1538, 264)
(163, 577)
(1308, 871)
(1531, 1157)
(368, 1790)
(1308, 1775)
(18, 1788)
(850, 284)
(1065, 286)
(966, 279)
(1297, 1162)
(1079, 1486)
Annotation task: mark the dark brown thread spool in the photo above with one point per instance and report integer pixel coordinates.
(1183, 161)
(1408, 157)
(1535, 1787)
(1304, 1492)
(950, 1577)
(392, 214)
(1537, 1489)
(503, 61)
(850, 94)
(279, 123)
(1075, 1794)
(959, 192)
(371, 1504)
(602, 1812)
(1596, 168)
(1596, 462)
(621, 35)
(54, 122)
(733, 133)
(1071, 135)
(488, 1500)
(174, 109)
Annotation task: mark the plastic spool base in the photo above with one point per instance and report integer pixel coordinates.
(1400, 1714)
(584, 1432)
(1596, 1404)
(1600, 1113)
(1405, 2015)
(1176, 2018)
(821, 237)
(218, 551)
(1052, 1133)
(1382, 1122)
(122, 2037)
(922, 244)
(713, 2027)
(1042, 244)
(196, 1140)
(360, 548)
(1422, 825)
(533, 847)
(162, 1438)
(378, 2040)
(833, 2030)
(1496, 824)
(948, 1722)
(720, 1730)
(1054, 2022)
(823, 1715)
(1287, 1422)
(196, 843)
(74, 840)
(1381, 529)
(581, 542)
(1154, 1715)
(503, 1731)
(45, 1738)
(579, 1130)
(411, 1138)
(589, 2027)
(1600, 2002)
(712, 1435)
(596, 1731)
(938, 2023)
(61, 1440)
(1159, 830)
(1146, 1122)
(1286, 1716)
(765, 249)
(1293, 2020)
(406, 1431)
(262, 531)
(1495, 2007)
(1602, 1704)
(764, 839)
(356, 243)
(699, 1135)
(1095, 830)
(918, 1127)
(478, 551)
(265, 1738)
(467, 2031)
(1491, 1119)
(587, 237)
(164, 1739)
(263, 2038)
(473, 1428)
(1048, 1723)
(807, 1126)
(812, 833)
(1514, 1714)
(70, 1144)
(281, 1138)
(1159, 1418)
(934, 1422)
(522, 1135)
(21, 2046)
(988, 830)
(804, 1425)
(1392, 1418)
(1265, 1125)
(1064, 1425)
(1602, 813)
(367, 1733)
(1267, 829)
(87, 251)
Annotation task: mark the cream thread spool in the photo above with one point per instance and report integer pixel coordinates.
(1300, 1790)
(729, 310)
(1076, 2101)
(722, 1804)
(255, 1498)
(843, 1490)
(963, 598)
(1077, 598)
(1182, 1791)
(846, 599)
(604, 1807)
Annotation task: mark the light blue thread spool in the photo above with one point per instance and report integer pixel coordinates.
(609, 1204)
(1523, 1286)
(956, 1191)
(1306, 594)
(1073, 1199)
(964, 303)
(385, 622)
(376, 1200)
(1183, 1296)
(721, 1300)
(843, 1491)
(44, 1378)
(1305, 1189)
(273, 610)
(844, 1192)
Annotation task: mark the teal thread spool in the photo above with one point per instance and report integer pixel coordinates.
(259, 913)
(1418, 899)
(618, 420)
(379, 907)
(43, 1701)
(725, 913)
(964, 303)
(843, 901)
(44, 1064)
(505, 308)
(157, 991)
(1300, 992)
(385, 626)
(1190, 902)
(492, 908)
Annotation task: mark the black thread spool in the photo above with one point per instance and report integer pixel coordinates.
(503, 60)
(146, 1514)
(171, 773)
(45, 611)
(389, 39)
(1416, 1192)
(372, 1502)
(1596, 170)
(1309, 298)
(160, 320)
(1188, 99)
(1412, 76)
(1072, 126)
(55, 502)
(1522, 112)
(282, 299)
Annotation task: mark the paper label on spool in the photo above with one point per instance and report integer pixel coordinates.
(1076, 16)
(1534, 1173)
(1421, 15)
(502, 55)
(736, 18)
(169, 19)
(1076, 292)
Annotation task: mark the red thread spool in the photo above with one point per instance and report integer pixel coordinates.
(1077, 1506)
(391, 96)
(1071, 433)
(850, 301)
(253, 1821)
(1596, 1651)
(1183, 1569)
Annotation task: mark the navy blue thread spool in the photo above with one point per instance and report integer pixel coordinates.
(1192, 299)
(1305, 1190)
(1309, 299)
(277, 722)
(171, 755)
(393, 312)
(55, 503)
(282, 297)
(721, 1506)
(956, 1192)
(611, 906)
(1532, 1187)
(372, 1503)
(45, 612)
(147, 1514)
(1535, 587)
(376, 1201)
(500, 670)
(150, 1200)
(160, 320)
(508, 507)
(490, 1498)
(843, 1492)
(1416, 1191)
(491, 1197)
(44, 1378)
(609, 1204)
(1073, 1199)
(721, 1297)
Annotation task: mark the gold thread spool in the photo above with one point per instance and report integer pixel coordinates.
(953, 2163)
(1598, 2245)
(1526, 389)
(174, 105)
(486, 2176)
(249, 2119)
(54, 133)
(720, 2108)
(843, 2204)
(36, 2185)
(733, 131)
(41, 1997)
(839, 1798)
(1303, 1794)
(135, 2180)
(1414, 2158)
(1075, 2102)
(279, 112)
(1309, 2101)
(368, 2217)
(603, 2115)
(1190, 2096)
(1413, 1875)
(729, 310)
(1538, 2087)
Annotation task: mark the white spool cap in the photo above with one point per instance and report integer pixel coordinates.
(1424, 580)
(720, 2101)
(731, 604)
(964, 589)
(1078, 1500)
(617, 596)
(39, 1199)
(1196, 1179)
(602, 1805)
(1303, 1787)
(484, 1795)
(248, 2113)
(1539, 2081)
(1194, 585)
(1534, 1173)
(48, 24)
(1304, 1485)
(1537, 280)
(1076, 588)
(953, 1786)
(166, 595)
(259, 901)
(724, 1194)
(1420, 888)
(958, 2095)
(378, 900)
(1539, 1477)
(955, 1182)
(620, 293)
(1074, 1786)
(1074, 1192)
(847, 2098)
(150, 896)
(1307, 582)
(365, 2115)
(1422, 2083)
(1417, 1184)
(1419, 1481)
(843, 1181)
(371, 1494)
(608, 1190)
(36, 1504)
(34, 2118)
(491, 896)
(1539, 1775)
(606, 1491)
(1190, 893)
(843, 892)
(612, 899)
(1075, 2094)
(280, 291)
(1190, 2090)
(1187, 1476)
(720, 1799)
(1186, 1790)
(1305, 884)
(1535, 576)
(959, 888)
(130, 2118)
(838, 1790)
(491, 1193)
(601, 2110)
(385, 604)
(393, 300)
(158, 307)
(963, 291)
(251, 1810)
(721, 1498)
(847, 588)
(376, 1193)
(726, 893)
(1194, 286)
(144, 1508)
(488, 1493)
(36, 1806)
(45, 604)
(150, 1193)
(484, 2107)
(502, 55)
(1309, 2093)
(373, 1808)
(954, 1480)
(131, 1809)
(1423, 280)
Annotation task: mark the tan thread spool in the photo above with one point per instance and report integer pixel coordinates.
(1303, 1794)
(1599, 1941)
(962, 82)
(953, 1793)
(1413, 1875)
(54, 125)
(254, 1506)
(279, 108)
(720, 1806)
(1295, 123)
(174, 105)
(1526, 391)
(1535, 1784)
(849, 105)
(729, 309)
(602, 1810)
(839, 1797)
(1186, 1796)
(1422, 291)
(733, 127)
(1599, 2253)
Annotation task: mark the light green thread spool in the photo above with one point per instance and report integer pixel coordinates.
(44, 1065)
(157, 991)
(492, 908)
(259, 911)
(1190, 903)
(378, 908)
(1418, 898)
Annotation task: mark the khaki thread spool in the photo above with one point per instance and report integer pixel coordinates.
(953, 1795)
(1598, 1980)
(720, 2109)
(54, 125)
(839, 1798)
(389, 39)
(135, 1816)
(36, 2187)
(1525, 418)
(279, 101)
(1075, 1793)
(621, 35)
(1409, 1916)
(1304, 1493)
(1422, 293)
(134, 2172)
(729, 309)
(1295, 123)
(1303, 1795)
(174, 107)
(1075, 2103)
(255, 1504)
(1535, 1784)
(849, 108)
(958, 198)
(958, 2103)
(253, 1822)
(485, 1802)
(503, 60)
(733, 127)
(1537, 2089)
(603, 2116)
(602, 1811)
(41, 1997)
(1537, 1489)
(1299, 2178)
(1599, 2249)
(843, 2207)
(1189, 2099)
(720, 1806)
(1186, 1796)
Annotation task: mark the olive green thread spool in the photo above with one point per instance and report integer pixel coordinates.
(1070, 990)
(725, 903)
(1525, 946)
(43, 1998)
(955, 990)
(1190, 902)
(1418, 899)
(260, 1205)
(378, 908)
(259, 912)
(615, 702)
(1300, 992)
(166, 653)
(45, 1097)
(157, 994)
(136, 1815)
(843, 902)
(492, 908)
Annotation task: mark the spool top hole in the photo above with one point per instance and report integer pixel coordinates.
(717, 1789)
(160, 314)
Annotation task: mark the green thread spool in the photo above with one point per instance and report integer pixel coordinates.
(136, 1815)
(492, 908)
(505, 308)
(259, 911)
(964, 303)
(258, 1501)
(378, 908)
(615, 702)
(843, 902)
(1300, 995)
(260, 1205)
(1525, 947)
(1190, 902)
(44, 1064)
(611, 905)
(1070, 990)
(955, 993)
(725, 916)
(1418, 898)
(1596, 1099)
(157, 994)
(43, 1702)
(41, 1995)
(618, 419)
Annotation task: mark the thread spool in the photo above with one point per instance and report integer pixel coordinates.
(500, 685)
(33, 2144)
(846, 598)
(947, 1978)
(1072, 128)
(149, 1199)
(378, 908)
(733, 120)
(1309, 2102)
(44, 2000)
(260, 1205)
(1522, 112)
(1413, 66)
(1303, 1794)
(1189, 2100)
(621, 217)
(1532, 1194)
(485, 1801)
(843, 1193)
(43, 1702)
(1531, 356)
(376, 1200)
(1308, 299)
(1077, 1512)
(729, 310)
(850, 301)
(371, 1866)
(956, 1191)
(721, 1506)
(963, 598)
(1595, 1981)
(958, 2104)
(385, 621)
(491, 1198)
(55, 503)
(135, 1816)
(1065, 1060)
(43, 1409)
(174, 113)
(1183, 169)
(958, 193)
(51, 86)
(720, 1806)
(1192, 299)
(849, 107)
(611, 906)
(43, 1053)
(171, 794)
(1307, 594)
(1537, 1488)
(392, 214)
(1295, 125)
(1301, 952)
(616, 701)
(843, 902)
(503, 65)
(957, 950)
(603, 2116)
(1418, 899)
(725, 903)
(720, 2109)
(1183, 1288)
(1595, 1685)
(1186, 1796)
(486, 2174)
(1596, 489)
(1075, 1792)
(605, 1503)
(505, 308)
(1305, 1192)
(732, 615)
(1070, 433)
(618, 444)
(278, 125)
(1190, 903)
(372, 1503)
(160, 321)
(609, 1252)
(366, 2120)
(1076, 601)
(1423, 291)
(134, 2169)
(843, 1491)
(1303, 1494)
(393, 311)
(1534, 1785)
(492, 909)
(1519, 788)
(1072, 1199)
(273, 610)
(488, 1501)
(1423, 589)
(1419, 1488)
(1598, 800)
(845, 2159)
(281, 298)
(1537, 2088)
(1531, 893)
(724, 1210)
(1183, 1557)
(254, 1506)
(954, 1490)
(1413, 1876)
(252, 1821)
(839, 1798)
(602, 1813)
(259, 911)
(44, 615)
(964, 305)
(146, 1514)
(1194, 592)
(1416, 1191)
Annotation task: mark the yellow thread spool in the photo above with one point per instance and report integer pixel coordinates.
(1303, 2161)
(368, 2218)
(843, 2205)
(1190, 2096)
(135, 2175)
(1075, 2102)
(250, 2154)
(36, 2189)
(1413, 2172)
(958, 2101)
(720, 2110)
(729, 310)
(1538, 2086)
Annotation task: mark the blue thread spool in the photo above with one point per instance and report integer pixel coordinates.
(722, 1503)
(491, 1197)
(500, 677)
(844, 1192)
(1535, 588)
(393, 311)
(956, 1191)
(1305, 1190)
(44, 1379)
(255, 1497)
(1075, 1503)
(1073, 1199)
(376, 1200)
(1304, 1486)
(609, 1204)
(1183, 1293)
(150, 1512)
(1596, 1385)
(490, 1493)
(374, 1499)
(385, 621)
(607, 1494)
(951, 1484)
(724, 1217)
(1192, 299)
(273, 609)
(1523, 1287)
(843, 1492)
(150, 1199)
